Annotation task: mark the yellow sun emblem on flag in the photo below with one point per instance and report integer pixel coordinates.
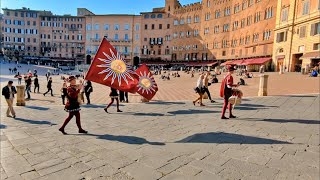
(116, 68)
(146, 83)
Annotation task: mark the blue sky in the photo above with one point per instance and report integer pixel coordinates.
(96, 6)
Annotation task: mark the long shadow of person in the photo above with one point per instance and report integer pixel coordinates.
(126, 139)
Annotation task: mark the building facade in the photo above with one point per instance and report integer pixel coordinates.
(156, 31)
(297, 35)
(21, 29)
(62, 36)
(122, 31)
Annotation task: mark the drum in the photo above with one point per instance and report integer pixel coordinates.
(236, 97)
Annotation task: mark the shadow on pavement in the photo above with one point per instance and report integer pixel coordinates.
(165, 103)
(35, 122)
(50, 101)
(301, 121)
(146, 114)
(37, 108)
(126, 139)
(2, 126)
(191, 111)
(228, 138)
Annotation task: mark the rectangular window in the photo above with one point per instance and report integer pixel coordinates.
(282, 37)
(116, 27)
(306, 7)
(160, 26)
(316, 46)
(146, 26)
(126, 37)
(137, 27)
(302, 32)
(284, 14)
(168, 26)
(315, 29)
(96, 27)
(152, 26)
(88, 27)
(126, 27)
(106, 27)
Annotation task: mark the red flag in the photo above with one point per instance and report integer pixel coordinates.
(110, 69)
(147, 86)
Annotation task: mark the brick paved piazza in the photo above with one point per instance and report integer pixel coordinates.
(275, 137)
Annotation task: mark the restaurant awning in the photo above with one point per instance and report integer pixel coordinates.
(234, 62)
(311, 55)
(257, 61)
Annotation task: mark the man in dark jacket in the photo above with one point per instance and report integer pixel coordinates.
(28, 86)
(49, 86)
(88, 90)
(36, 84)
(8, 92)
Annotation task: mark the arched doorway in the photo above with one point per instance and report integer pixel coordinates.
(136, 61)
(88, 59)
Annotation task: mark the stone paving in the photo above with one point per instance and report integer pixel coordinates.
(273, 138)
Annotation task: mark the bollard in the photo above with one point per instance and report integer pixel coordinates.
(20, 95)
(263, 87)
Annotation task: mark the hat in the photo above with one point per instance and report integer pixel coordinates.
(231, 68)
(71, 78)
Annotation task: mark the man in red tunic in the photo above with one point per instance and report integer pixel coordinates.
(226, 92)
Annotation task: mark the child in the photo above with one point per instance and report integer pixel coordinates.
(114, 96)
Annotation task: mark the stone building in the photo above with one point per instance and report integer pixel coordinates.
(297, 34)
(123, 31)
(21, 29)
(156, 35)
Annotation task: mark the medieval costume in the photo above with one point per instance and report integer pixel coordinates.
(72, 106)
(226, 92)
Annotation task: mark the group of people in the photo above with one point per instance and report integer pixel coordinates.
(226, 90)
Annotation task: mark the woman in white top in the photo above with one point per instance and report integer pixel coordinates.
(200, 90)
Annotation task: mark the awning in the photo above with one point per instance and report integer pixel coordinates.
(257, 61)
(311, 55)
(234, 62)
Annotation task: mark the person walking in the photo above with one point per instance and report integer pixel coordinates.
(64, 92)
(114, 96)
(8, 92)
(200, 90)
(73, 106)
(36, 84)
(226, 92)
(48, 75)
(49, 86)
(206, 86)
(88, 90)
(28, 86)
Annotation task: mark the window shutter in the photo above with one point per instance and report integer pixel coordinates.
(312, 32)
(285, 36)
(278, 37)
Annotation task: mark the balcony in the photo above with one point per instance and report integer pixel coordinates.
(120, 40)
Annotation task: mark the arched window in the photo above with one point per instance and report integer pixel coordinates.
(153, 16)
(146, 16)
(159, 16)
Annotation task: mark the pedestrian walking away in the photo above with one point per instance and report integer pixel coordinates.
(199, 90)
(206, 86)
(28, 86)
(36, 84)
(88, 90)
(226, 92)
(114, 96)
(8, 92)
(64, 92)
(49, 86)
(73, 106)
